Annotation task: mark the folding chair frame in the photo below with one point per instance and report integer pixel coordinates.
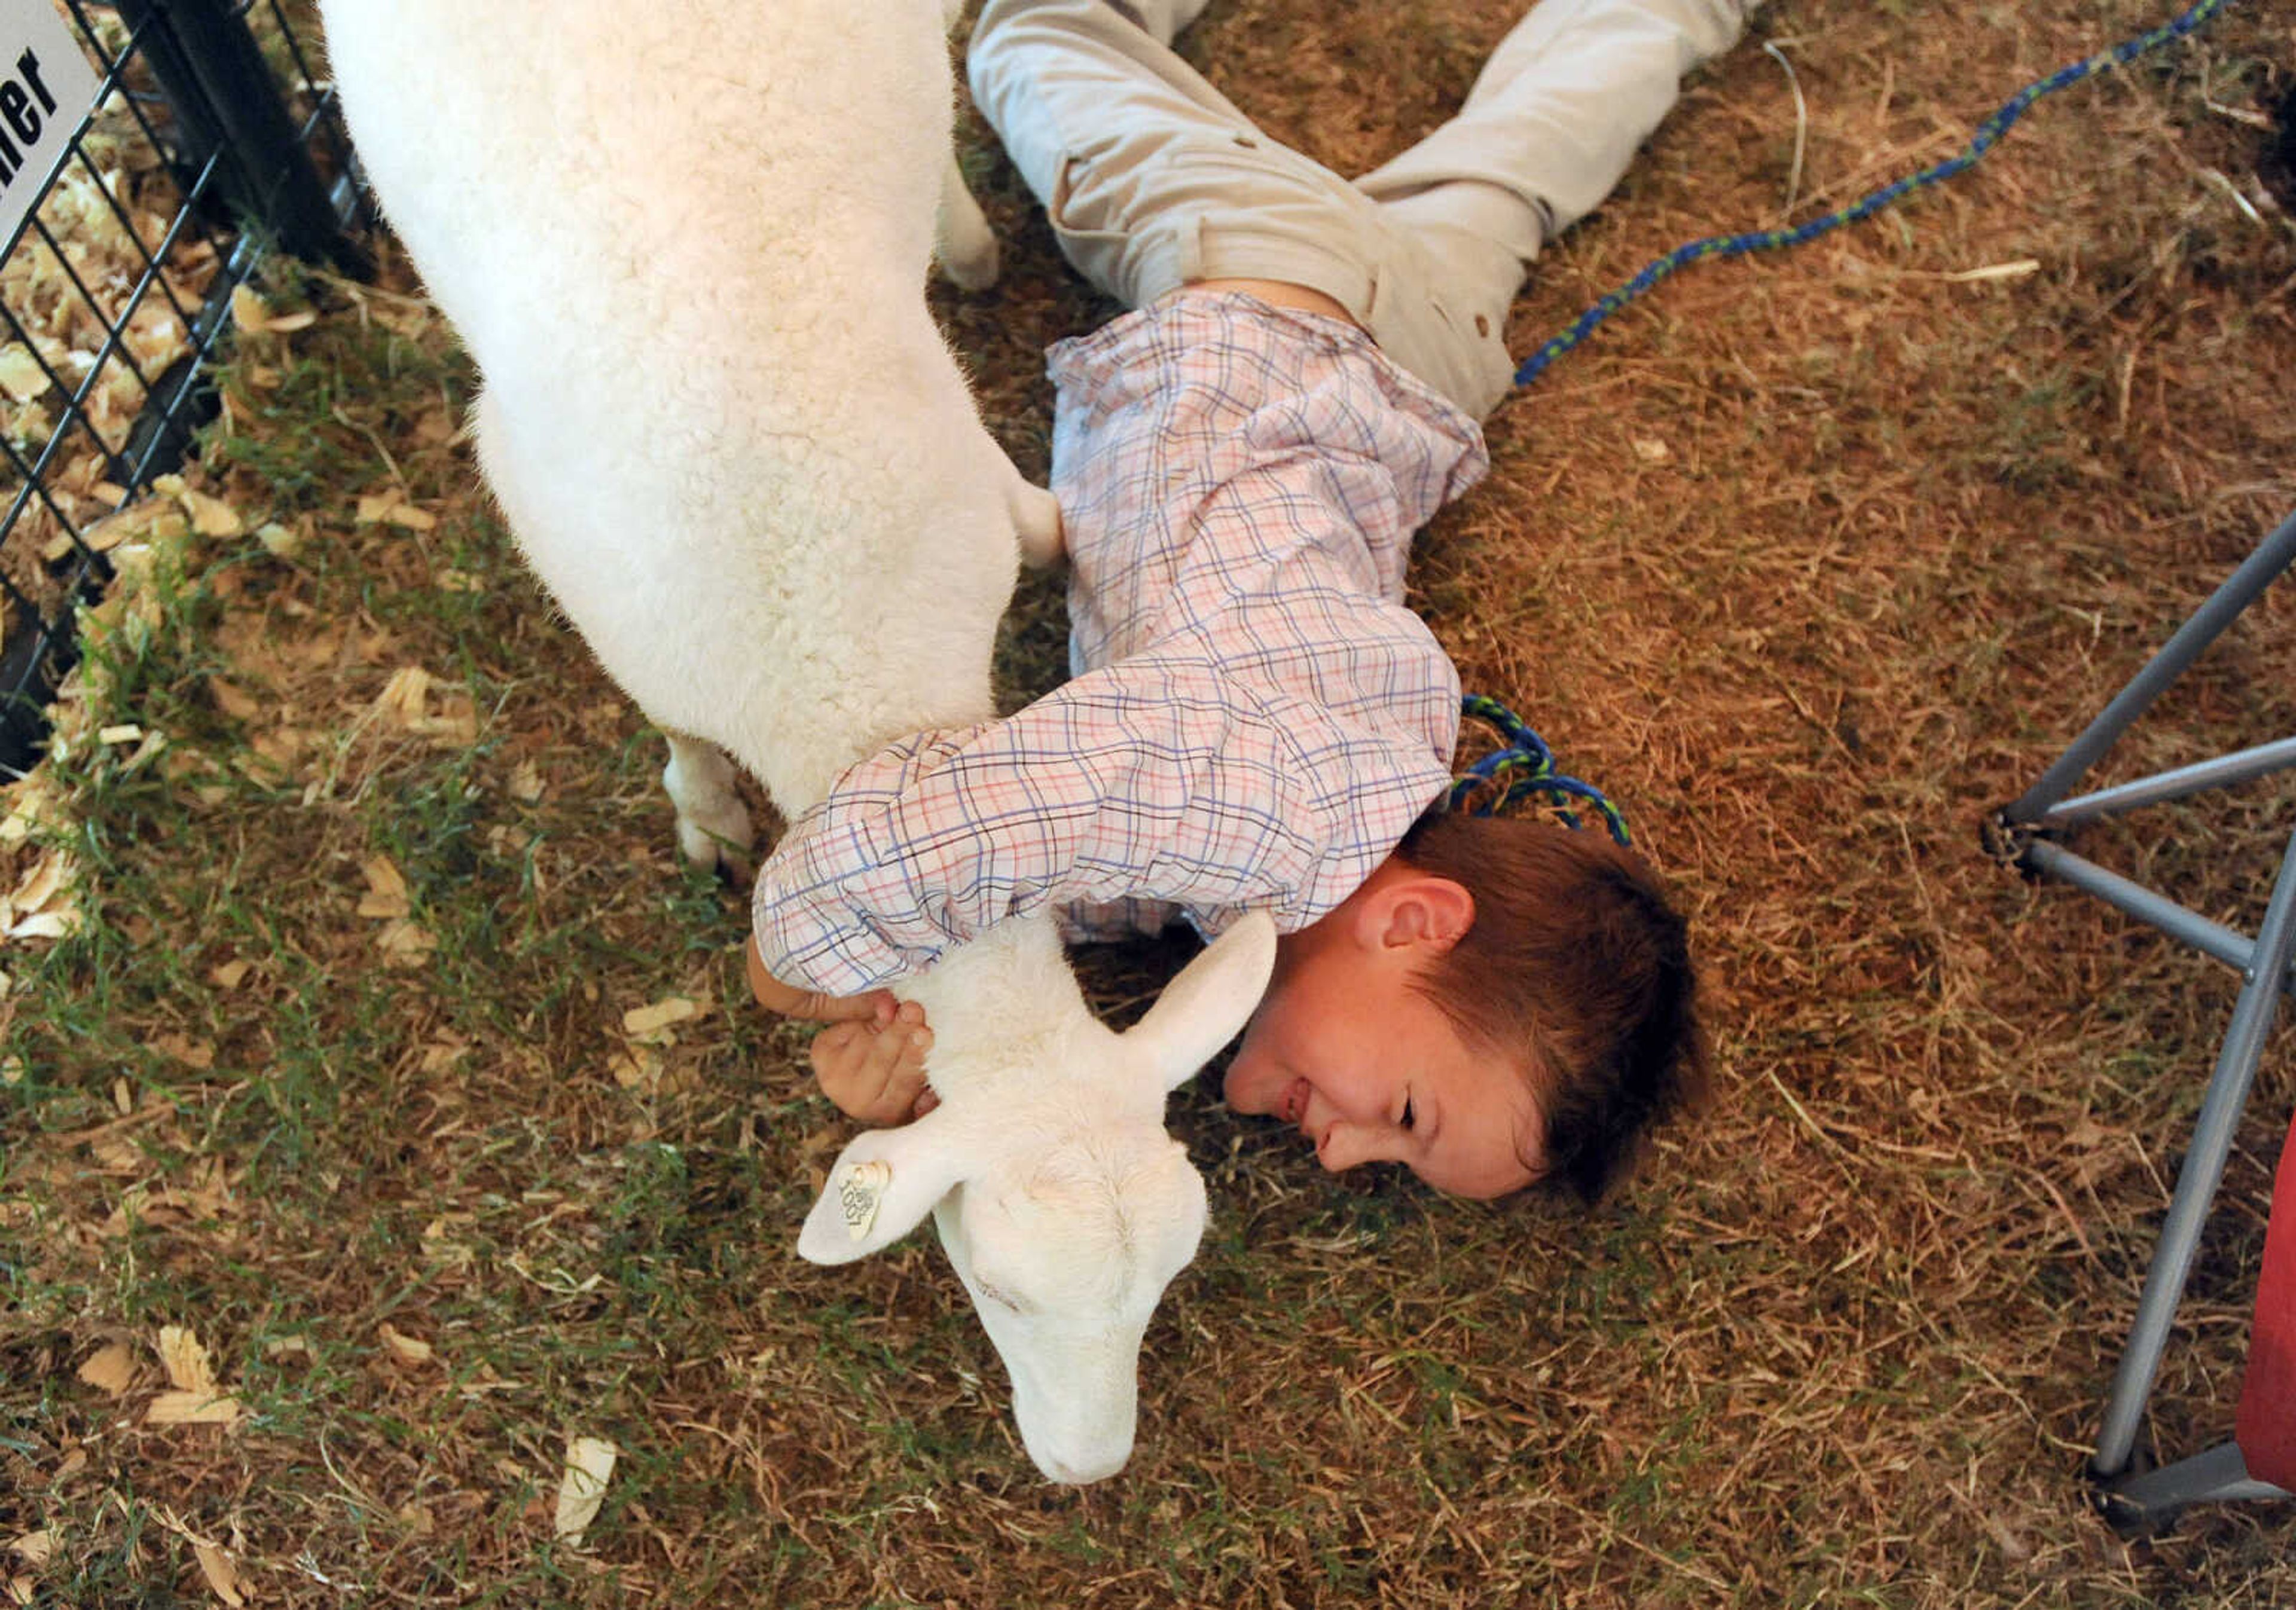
(2019, 836)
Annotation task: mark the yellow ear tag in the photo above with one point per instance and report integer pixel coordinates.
(860, 1188)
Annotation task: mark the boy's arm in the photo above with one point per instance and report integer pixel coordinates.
(1159, 777)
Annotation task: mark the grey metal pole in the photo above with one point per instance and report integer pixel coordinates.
(2256, 572)
(2180, 923)
(2196, 1182)
(2224, 772)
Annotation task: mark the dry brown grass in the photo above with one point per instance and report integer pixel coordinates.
(1811, 561)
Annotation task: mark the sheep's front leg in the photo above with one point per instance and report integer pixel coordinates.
(962, 239)
(713, 825)
(1035, 512)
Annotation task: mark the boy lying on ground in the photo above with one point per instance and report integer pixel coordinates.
(1256, 720)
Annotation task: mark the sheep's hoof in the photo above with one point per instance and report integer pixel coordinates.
(725, 854)
(972, 266)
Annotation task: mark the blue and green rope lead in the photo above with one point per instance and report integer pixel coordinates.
(1989, 135)
(1525, 768)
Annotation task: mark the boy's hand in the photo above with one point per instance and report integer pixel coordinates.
(874, 1067)
(871, 1061)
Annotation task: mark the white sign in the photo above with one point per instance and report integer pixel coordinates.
(46, 88)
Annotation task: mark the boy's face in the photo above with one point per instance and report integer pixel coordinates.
(1371, 1070)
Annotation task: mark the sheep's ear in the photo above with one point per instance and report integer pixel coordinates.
(1202, 1009)
(880, 1187)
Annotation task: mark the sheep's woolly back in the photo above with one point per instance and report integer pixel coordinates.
(687, 244)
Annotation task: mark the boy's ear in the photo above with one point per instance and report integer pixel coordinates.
(880, 1187)
(1419, 910)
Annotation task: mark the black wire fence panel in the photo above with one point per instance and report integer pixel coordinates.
(213, 137)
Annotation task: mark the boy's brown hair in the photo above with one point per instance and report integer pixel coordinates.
(1578, 966)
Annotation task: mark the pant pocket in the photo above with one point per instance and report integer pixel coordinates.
(1089, 223)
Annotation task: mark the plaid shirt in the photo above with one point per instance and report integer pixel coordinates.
(1254, 719)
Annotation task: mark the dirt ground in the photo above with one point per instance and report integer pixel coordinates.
(1812, 559)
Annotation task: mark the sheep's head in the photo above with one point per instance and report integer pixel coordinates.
(1067, 1213)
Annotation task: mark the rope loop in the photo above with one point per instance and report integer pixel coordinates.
(1523, 771)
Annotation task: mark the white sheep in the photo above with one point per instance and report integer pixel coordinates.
(685, 244)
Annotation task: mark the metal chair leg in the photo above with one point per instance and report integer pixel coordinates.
(2139, 1503)
(2273, 555)
(2196, 1182)
(2265, 966)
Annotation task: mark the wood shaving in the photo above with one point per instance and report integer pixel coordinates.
(582, 1488)
(111, 1369)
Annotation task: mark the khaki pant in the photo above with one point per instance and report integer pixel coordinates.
(1153, 179)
